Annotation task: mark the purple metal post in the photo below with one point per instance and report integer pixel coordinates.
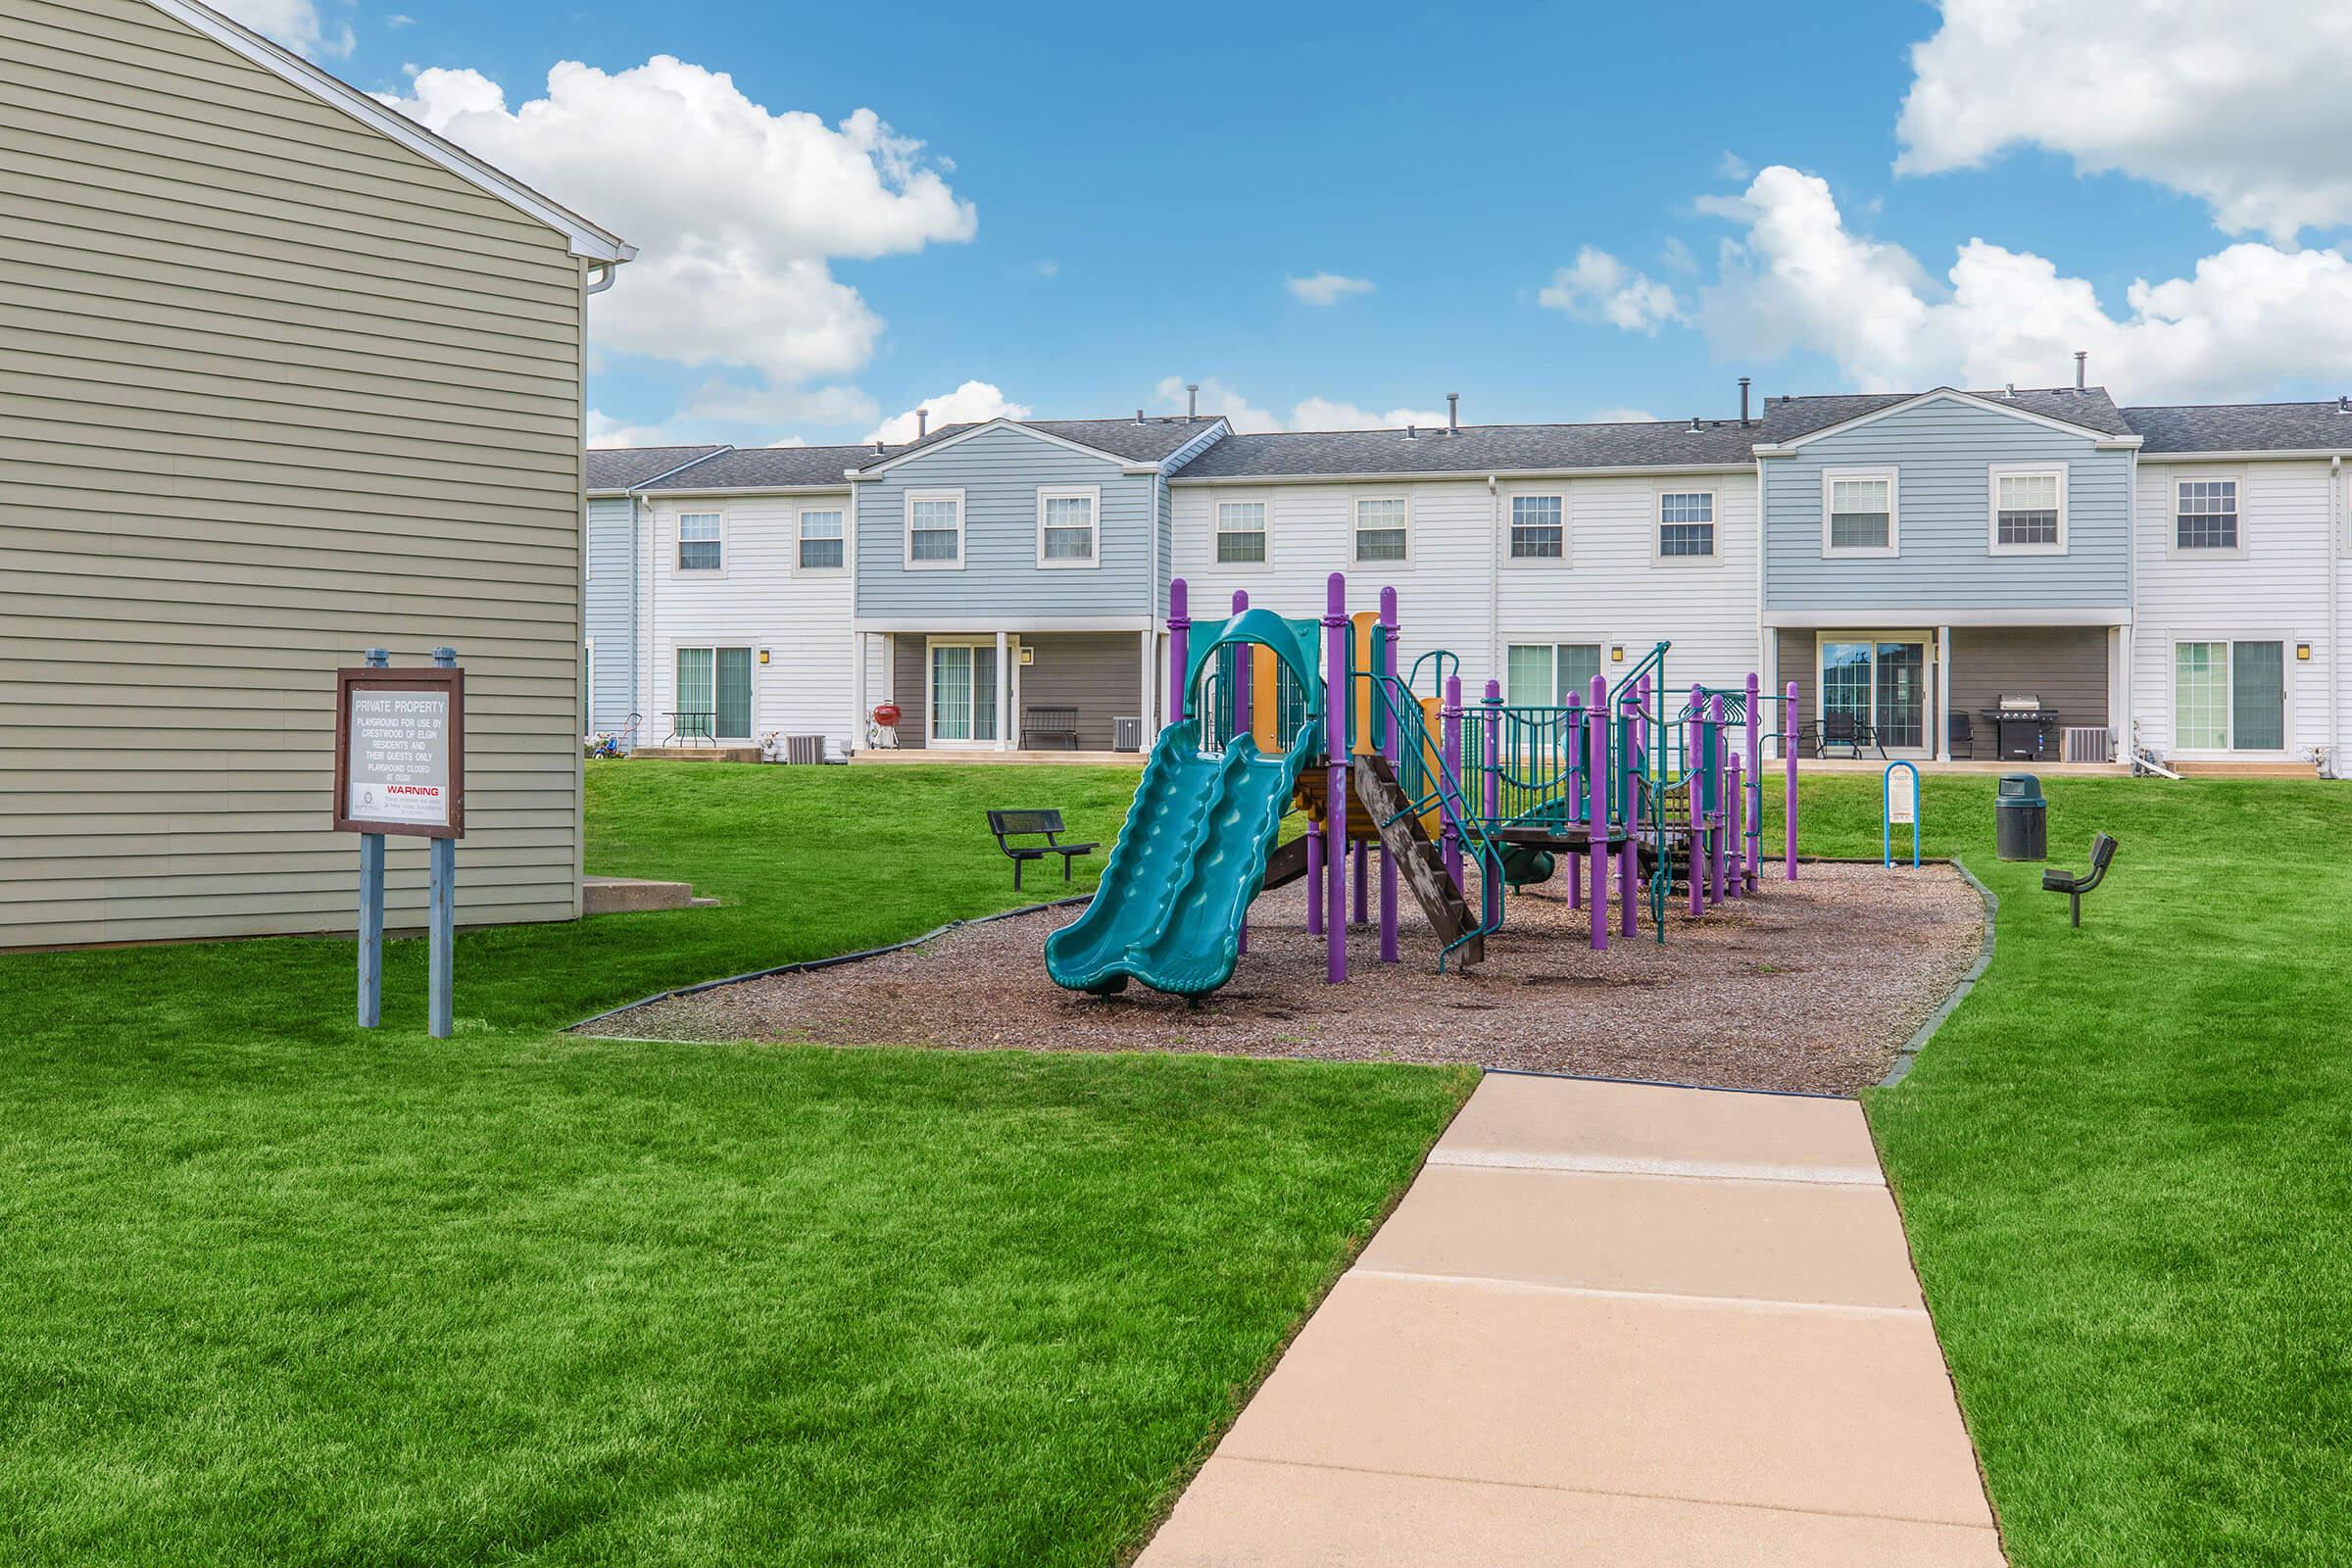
(1723, 812)
(1491, 884)
(1789, 804)
(1578, 742)
(1596, 815)
(1451, 743)
(1335, 815)
(1735, 883)
(1388, 693)
(1314, 882)
(1693, 781)
(1752, 840)
(1629, 905)
(1245, 658)
(1180, 649)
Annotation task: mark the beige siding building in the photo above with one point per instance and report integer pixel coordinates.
(285, 377)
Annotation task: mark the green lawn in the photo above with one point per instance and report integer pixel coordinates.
(278, 1289)
(2125, 1168)
(275, 1289)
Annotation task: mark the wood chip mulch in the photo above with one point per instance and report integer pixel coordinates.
(1810, 986)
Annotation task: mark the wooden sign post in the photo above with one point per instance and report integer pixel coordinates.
(400, 767)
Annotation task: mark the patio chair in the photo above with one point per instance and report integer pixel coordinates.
(2102, 855)
(1847, 731)
(1963, 733)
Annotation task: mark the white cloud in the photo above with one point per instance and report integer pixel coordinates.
(398, 20)
(295, 23)
(729, 402)
(1326, 288)
(2241, 104)
(2249, 317)
(738, 211)
(605, 431)
(1322, 414)
(1620, 416)
(969, 404)
(1731, 166)
(1602, 288)
(1216, 398)
(1677, 256)
(1045, 268)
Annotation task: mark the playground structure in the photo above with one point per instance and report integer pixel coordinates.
(1623, 787)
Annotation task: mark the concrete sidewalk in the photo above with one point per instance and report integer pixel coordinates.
(1611, 1324)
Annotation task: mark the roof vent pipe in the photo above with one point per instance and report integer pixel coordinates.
(877, 446)
(1695, 423)
(2012, 390)
(1453, 414)
(923, 423)
(1139, 416)
(2343, 404)
(2081, 357)
(1743, 403)
(1411, 433)
(1192, 400)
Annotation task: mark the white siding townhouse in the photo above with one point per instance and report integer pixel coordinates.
(1909, 559)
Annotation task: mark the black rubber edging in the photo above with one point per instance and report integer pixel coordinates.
(1909, 1054)
(807, 965)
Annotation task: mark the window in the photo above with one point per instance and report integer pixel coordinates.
(1242, 533)
(2229, 697)
(713, 694)
(1380, 529)
(2205, 514)
(1858, 512)
(1065, 528)
(933, 528)
(1687, 524)
(964, 692)
(822, 542)
(699, 548)
(1539, 531)
(1548, 674)
(2029, 512)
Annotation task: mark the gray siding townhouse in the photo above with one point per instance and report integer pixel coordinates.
(288, 376)
(2171, 576)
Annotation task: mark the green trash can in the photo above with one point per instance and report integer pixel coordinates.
(2021, 819)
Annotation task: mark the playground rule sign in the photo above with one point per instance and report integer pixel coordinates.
(400, 752)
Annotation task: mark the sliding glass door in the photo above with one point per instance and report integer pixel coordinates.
(1881, 682)
(963, 693)
(715, 694)
(2229, 696)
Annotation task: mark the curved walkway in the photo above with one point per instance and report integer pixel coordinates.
(1611, 1323)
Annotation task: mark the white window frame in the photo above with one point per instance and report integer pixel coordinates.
(1657, 526)
(1567, 531)
(1893, 547)
(906, 532)
(1993, 476)
(1930, 697)
(2229, 640)
(1217, 530)
(1091, 495)
(838, 509)
(931, 644)
(2172, 518)
(679, 543)
(1355, 527)
(1554, 642)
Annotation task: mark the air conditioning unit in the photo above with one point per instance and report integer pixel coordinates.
(810, 749)
(2087, 743)
(1127, 734)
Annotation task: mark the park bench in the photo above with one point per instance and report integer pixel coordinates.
(2102, 852)
(1037, 724)
(1016, 835)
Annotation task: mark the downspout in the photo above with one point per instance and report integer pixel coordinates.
(2126, 745)
(600, 276)
(2335, 646)
(1494, 571)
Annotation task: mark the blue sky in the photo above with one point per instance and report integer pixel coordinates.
(1140, 184)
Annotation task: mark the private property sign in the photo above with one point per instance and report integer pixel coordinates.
(400, 752)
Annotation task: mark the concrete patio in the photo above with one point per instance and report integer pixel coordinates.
(1611, 1323)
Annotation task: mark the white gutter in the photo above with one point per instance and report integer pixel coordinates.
(1629, 471)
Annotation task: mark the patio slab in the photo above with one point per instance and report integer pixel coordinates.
(1580, 1124)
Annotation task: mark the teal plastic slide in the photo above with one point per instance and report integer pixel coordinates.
(1181, 878)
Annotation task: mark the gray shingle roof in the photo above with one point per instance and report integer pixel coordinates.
(771, 468)
(1478, 448)
(1786, 419)
(621, 468)
(1148, 442)
(2243, 427)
